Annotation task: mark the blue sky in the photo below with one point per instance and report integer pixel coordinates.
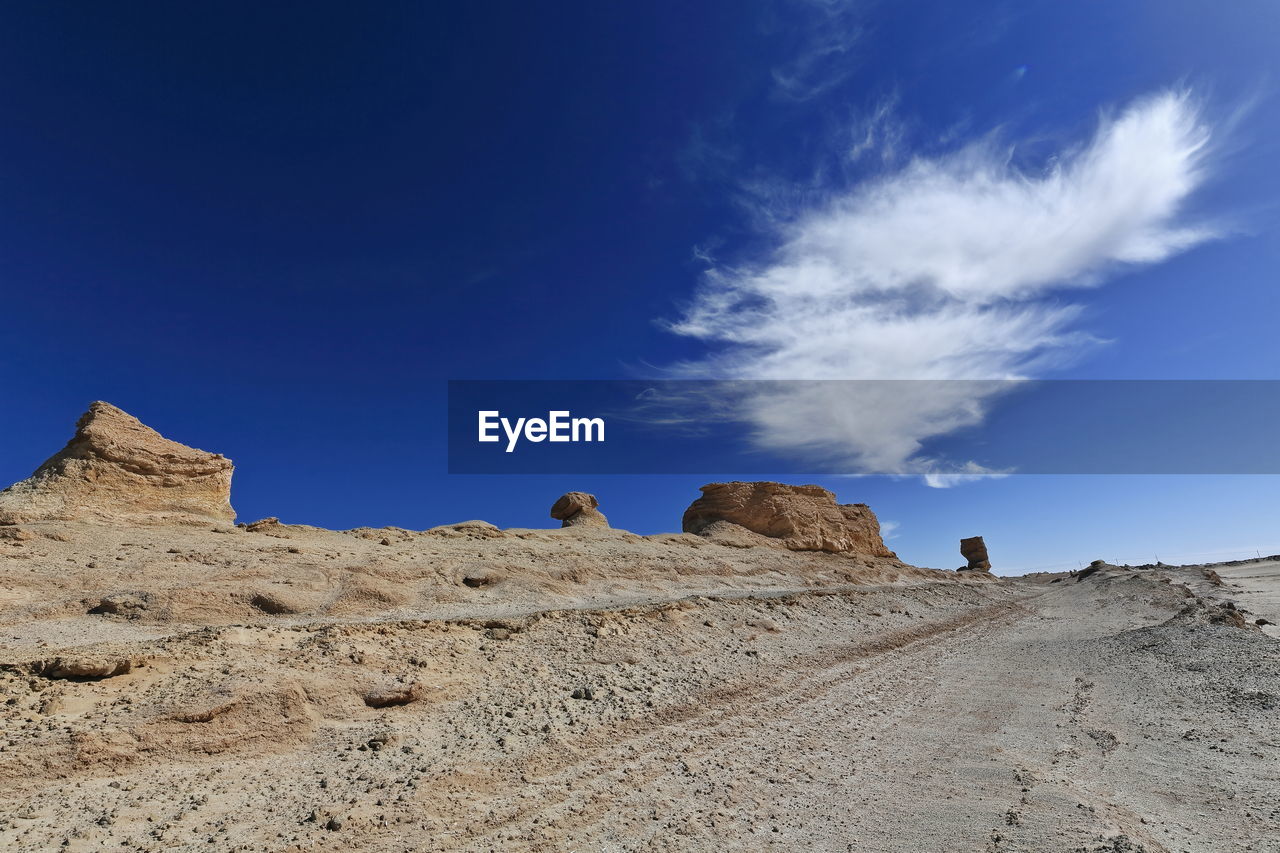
(276, 231)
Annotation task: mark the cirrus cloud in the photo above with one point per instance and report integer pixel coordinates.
(950, 268)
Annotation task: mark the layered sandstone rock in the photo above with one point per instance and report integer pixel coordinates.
(575, 509)
(974, 550)
(799, 518)
(117, 469)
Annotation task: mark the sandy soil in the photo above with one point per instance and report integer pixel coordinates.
(468, 689)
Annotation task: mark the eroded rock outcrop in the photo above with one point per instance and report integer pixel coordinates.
(974, 550)
(799, 518)
(117, 469)
(575, 509)
(83, 667)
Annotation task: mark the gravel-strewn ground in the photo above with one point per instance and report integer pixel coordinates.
(666, 695)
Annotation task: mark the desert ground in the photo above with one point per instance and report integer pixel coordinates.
(187, 684)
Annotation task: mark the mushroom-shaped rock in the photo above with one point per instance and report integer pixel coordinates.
(117, 469)
(799, 518)
(575, 509)
(974, 550)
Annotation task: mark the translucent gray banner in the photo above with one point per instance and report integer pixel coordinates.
(941, 428)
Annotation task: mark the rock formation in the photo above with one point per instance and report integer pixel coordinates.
(799, 518)
(578, 508)
(974, 550)
(117, 469)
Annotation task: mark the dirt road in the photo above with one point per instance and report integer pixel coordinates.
(1043, 723)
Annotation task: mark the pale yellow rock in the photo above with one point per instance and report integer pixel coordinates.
(798, 518)
(578, 509)
(115, 468)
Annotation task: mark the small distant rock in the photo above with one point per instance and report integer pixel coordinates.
(481, 577)
(389, 697)
(324, 817)
(467, 530)
(272, 526)
(1091, 569)
(129, 604)
(16, 534)
(575, 509)
(89, 667)
(1203, 611)
(497, 629)
(272, 604)
(974, 550)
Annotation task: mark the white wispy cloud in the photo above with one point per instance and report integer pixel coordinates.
(951, 267)
(967, 473)
(829, 32)
(878, 132)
